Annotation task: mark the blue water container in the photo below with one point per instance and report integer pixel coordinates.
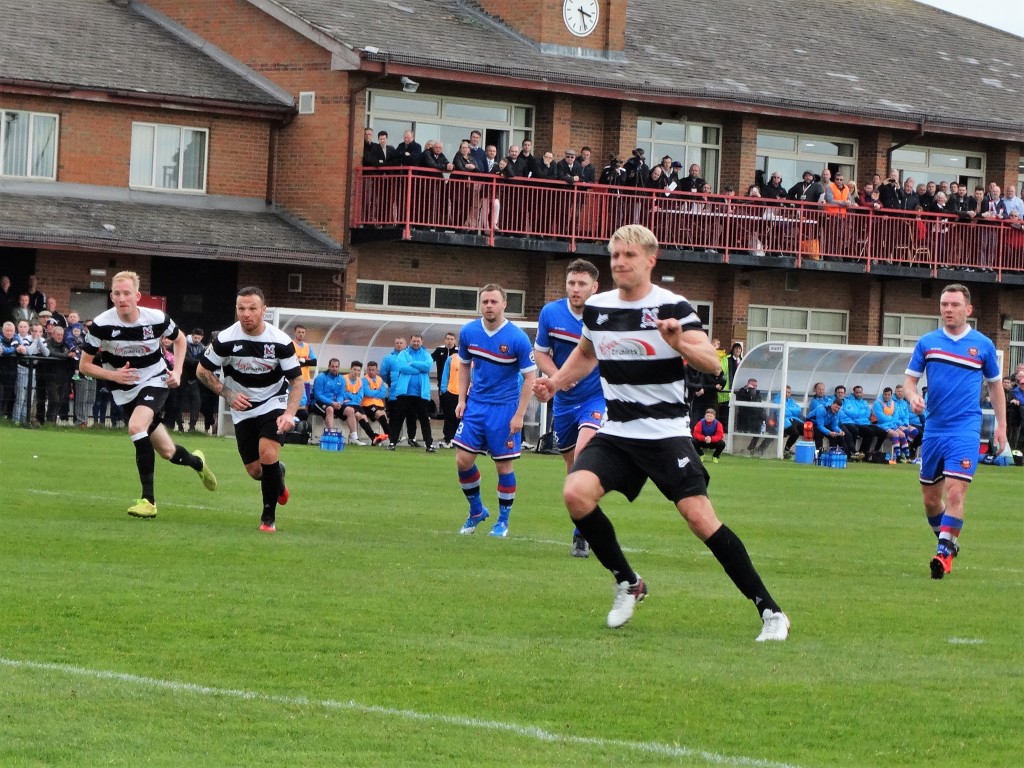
(339, 440)
(839, 460)
(804, 452)
(326, 440)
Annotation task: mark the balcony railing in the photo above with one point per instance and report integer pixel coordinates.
(492, 206)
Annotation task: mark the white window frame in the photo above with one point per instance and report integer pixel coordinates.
(181, 165)
(52, 176)
(809, 161)
(1016, 349)
(923, 173)
(515, 131)
(758, 334)
(683, 151)
(388, 284)
(906, 339)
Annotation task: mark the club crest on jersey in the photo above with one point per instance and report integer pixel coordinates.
(649, 317)
(503, 348)
(965, 463)
(147, 332)
(510, 444)
(268, 352)
(973, 351)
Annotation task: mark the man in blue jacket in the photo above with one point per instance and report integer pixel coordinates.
(328, 393)
(855, 418)
(826, 424)
(411, 385)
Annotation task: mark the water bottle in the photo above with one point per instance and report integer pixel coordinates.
(764, 428)
(339, 440)
(325, 440)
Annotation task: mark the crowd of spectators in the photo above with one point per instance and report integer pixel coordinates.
(475, 207)
(40, 347)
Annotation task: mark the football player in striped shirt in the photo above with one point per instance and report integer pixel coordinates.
(262, 386)
(126, 342)
(956, 359)
(638, 335)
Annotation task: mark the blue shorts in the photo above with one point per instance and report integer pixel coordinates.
(484, 429)
(953, 456)
(567, 425)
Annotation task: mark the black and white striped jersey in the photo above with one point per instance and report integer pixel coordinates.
(642, 376)
(257, 366)
(137, 344)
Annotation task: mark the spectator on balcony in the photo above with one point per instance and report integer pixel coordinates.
(693, 181)
(513, 168)
(808, 190)
(957, 201)
(476, 151)
(436, 197)
(408, 153)
(514, 165)
(490, 160)
(367, 140)
(869, 198)
(670, 170)
(378, 154)
(774, 190)
(657, 179)
(24, 312)
(546, 167)
(8, 299)
(924, 199)
(36, 298)
(839, 198)
(467, 208)
(636, 170)
(612, 173)
(890, 193)
(1012, 203)
(910, 199)
(568, 168)
(527, 154)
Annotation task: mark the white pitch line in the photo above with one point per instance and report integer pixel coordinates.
(526, 731)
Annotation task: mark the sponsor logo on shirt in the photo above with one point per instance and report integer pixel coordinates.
(626, 347)
(236, 348)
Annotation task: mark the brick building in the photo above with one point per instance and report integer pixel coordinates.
(284, 90)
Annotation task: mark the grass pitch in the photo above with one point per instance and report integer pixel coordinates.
(367, 632)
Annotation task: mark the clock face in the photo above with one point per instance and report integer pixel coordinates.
(580, 16)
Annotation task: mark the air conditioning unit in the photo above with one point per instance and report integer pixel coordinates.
(307, 102)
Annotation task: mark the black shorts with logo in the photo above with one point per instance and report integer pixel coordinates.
(249, 432)
(624, 465)
(153, 398)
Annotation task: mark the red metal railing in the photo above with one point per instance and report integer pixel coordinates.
(492, 206)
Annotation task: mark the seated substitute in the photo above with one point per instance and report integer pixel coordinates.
(826, 425)
(884, 412)
(328, 393)
(352, 404)
(375, 392)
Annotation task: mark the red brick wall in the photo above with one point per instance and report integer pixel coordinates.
(94, 145)
(542, 21)
(314, 153)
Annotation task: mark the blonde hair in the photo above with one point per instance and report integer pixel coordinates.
(127, 275)
(635, 234)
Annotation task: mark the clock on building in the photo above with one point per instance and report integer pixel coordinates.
(580, 16)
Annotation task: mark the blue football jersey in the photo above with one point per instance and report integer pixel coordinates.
(955, 369)
(558, 334)
(499, 359)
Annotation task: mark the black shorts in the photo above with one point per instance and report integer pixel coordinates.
(249, 432)
(624, 465)
(318, 408)
(151, 397)
(374, 412)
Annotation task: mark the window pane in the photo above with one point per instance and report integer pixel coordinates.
(821, 338)
(758, 316)
(756, 337)
(516, 302)
(141, 174)
(913, 156)
(168, 156)
(974, 163)
(789, 318)
(476, 112)
(396, 103)
(891, 325)
(455, 298)
(195, 160)
(44, 145)
(643, 129)
(918, 326)
(1017, 332)
(767, 141)
(409, 296)
(370, 293)
(828, 321)
(709, 164)
(15, 150)
(670, 132)
(394, 128)
(949, 161)
(711, 135)
(523, 117)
